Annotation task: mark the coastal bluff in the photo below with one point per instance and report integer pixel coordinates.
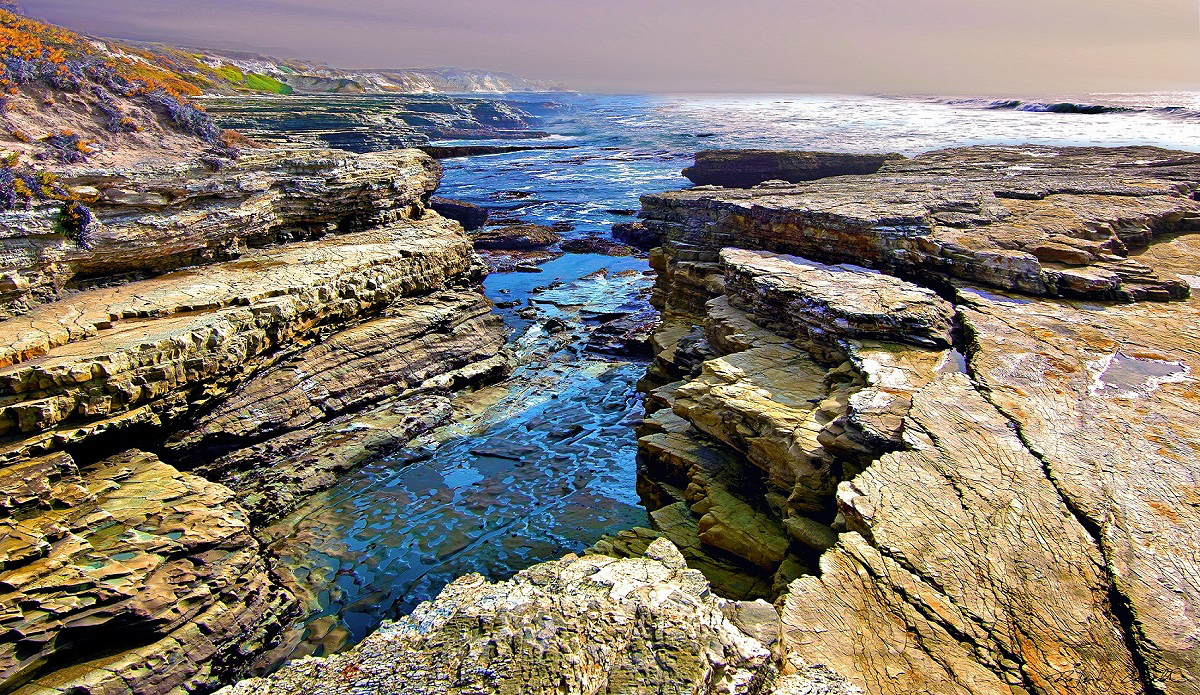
(942, 416)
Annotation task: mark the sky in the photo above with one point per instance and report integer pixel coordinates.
(976, 47)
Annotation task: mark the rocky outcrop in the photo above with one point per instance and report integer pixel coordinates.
(343, 120)
(962, 464)
(516, 237)
(325, 319)
(746, 168)
(636, 235)
(579, 625)
(1038, 220)
(1107, 406)
(163, 216)
(128, 576)
(469, 215)
(594, 243)
(452, 151)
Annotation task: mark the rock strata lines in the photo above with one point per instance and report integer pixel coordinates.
(325, 317)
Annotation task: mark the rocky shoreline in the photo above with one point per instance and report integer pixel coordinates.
(964, 464)
(916, 425)
(997, 468)
(226, 344)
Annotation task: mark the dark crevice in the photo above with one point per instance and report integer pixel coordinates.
(934, 618)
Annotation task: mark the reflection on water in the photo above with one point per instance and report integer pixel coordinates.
(543, 467)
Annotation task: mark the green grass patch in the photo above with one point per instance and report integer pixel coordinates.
(263, 83)
(231, 73)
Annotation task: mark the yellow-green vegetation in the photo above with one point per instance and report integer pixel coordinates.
(265, 83)
(231, 73)
(252, 81)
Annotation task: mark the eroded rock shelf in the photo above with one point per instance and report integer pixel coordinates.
(994, 460)
(151, 422)
(925, 430)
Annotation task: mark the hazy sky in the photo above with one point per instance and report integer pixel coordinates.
(1017, 47)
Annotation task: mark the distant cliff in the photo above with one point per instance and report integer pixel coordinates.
(235, 71)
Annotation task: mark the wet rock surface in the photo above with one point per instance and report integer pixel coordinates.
(525, 471)
(636, 235)
(746, 168)
(469, 215)
(516, 237)
(596, 244)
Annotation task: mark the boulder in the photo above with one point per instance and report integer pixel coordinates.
(515, 237)
(637, 235)
(596, 244)
(469, 215)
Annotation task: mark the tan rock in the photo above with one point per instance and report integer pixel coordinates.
(1105, 395)
(978, 214)
(164, 215)
(818, 303)
(127, 558)
(579, 625)
(981, 548)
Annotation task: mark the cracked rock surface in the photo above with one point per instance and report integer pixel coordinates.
(980, 440)
(590, 624)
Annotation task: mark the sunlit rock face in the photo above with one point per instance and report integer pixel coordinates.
(325, 318)
(578, 625)
(960, 456)
(170, 214)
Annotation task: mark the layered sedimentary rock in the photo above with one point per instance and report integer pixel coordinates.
(579, 625)
(129, 576)
(978, 443)
(170, 214)
(256, 376)
(1033, 219)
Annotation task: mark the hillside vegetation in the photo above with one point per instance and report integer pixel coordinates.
(68, 100)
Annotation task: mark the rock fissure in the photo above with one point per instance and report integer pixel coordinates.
(1118, 604)
(952, 505)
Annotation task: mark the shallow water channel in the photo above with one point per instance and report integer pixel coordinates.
(538, 467)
